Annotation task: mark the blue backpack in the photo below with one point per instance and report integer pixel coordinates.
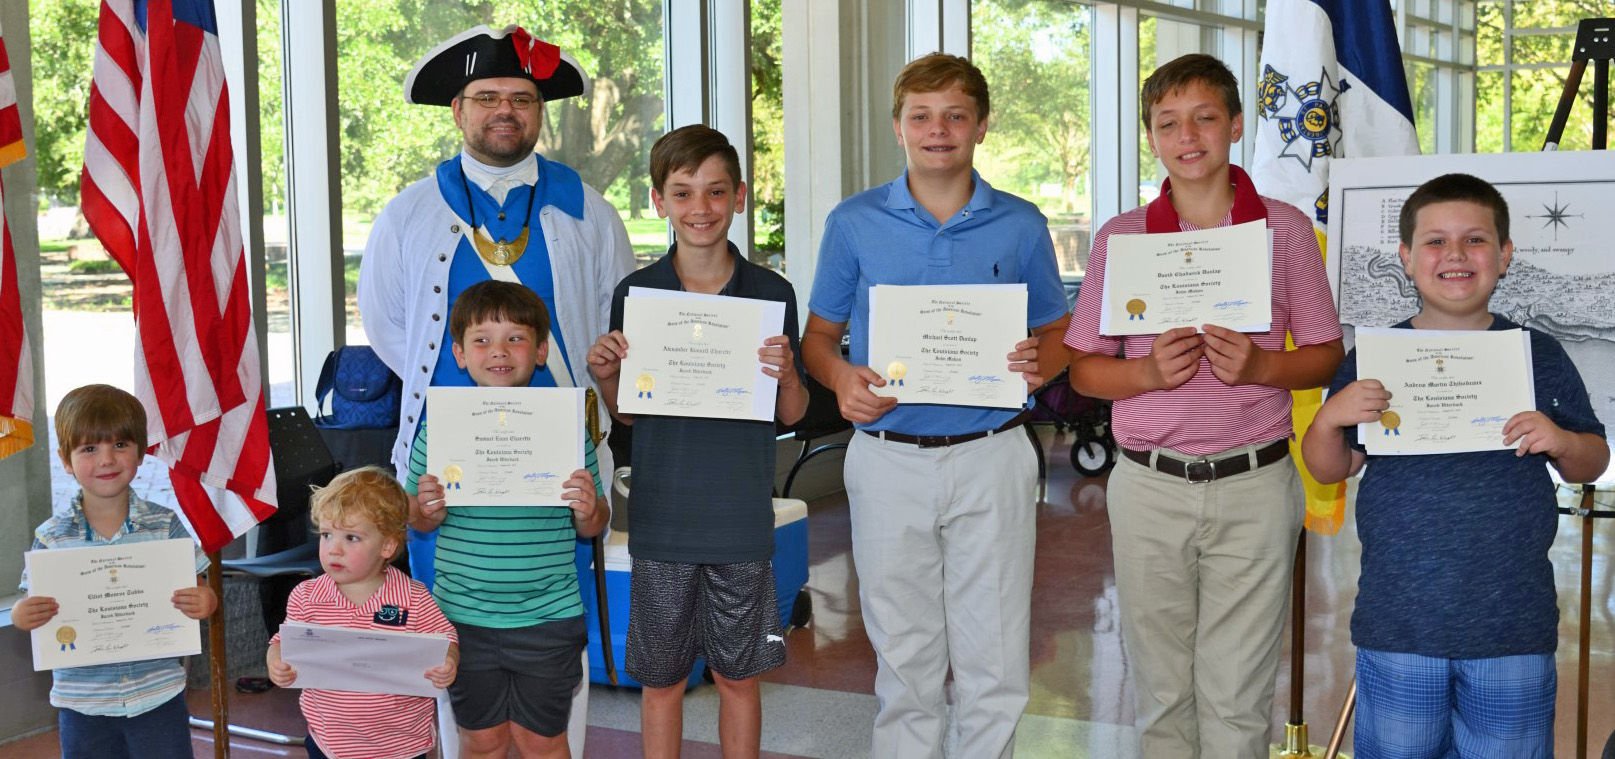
(363, 393)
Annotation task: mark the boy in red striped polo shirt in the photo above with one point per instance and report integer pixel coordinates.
(361, 517)
(1204, 506)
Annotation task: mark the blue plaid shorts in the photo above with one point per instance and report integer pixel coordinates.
(1429, 707)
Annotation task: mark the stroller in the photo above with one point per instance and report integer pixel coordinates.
(1094, 451)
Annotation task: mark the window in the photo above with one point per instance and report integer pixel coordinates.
(1438, 53)
(85, 292)
(1523, 53)
(767, 136)
(1037, 60)
(281, 369)
(1065, 76)
(605, 135)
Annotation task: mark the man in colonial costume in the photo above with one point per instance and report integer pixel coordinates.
(495, 211)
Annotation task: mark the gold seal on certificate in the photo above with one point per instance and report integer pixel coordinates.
(113, 603)
(948, 344)
(1390, 422)
(696, 355)
(1220, 275)
(504, 446)
(1451, 390)
(897, 370)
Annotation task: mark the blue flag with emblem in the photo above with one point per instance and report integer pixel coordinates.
(1331, 85)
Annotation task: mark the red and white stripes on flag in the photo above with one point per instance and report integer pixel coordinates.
(159, 191)
(11, 148)
(16, 359)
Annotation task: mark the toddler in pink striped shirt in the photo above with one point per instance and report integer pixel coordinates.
(360, 517)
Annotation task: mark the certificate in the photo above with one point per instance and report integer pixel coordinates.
(1221, 276)
(691, 354)
(115, 603)
(362, 661)
(504, 446)
(947, 344)
(1451, 390)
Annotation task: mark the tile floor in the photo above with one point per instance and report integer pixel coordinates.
(820, 703)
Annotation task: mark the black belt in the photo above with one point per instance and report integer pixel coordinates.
(1203, 470)
(943, 441)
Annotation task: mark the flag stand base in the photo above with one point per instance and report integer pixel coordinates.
(1295, 744)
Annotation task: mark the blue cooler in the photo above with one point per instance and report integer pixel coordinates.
(790, 577)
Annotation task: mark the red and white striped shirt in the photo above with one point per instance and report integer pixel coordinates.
(1205, 416)
(349, 725)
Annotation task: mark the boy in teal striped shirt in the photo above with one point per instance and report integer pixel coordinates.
(505, 575)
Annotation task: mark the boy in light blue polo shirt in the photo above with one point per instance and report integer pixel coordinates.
(942, 503)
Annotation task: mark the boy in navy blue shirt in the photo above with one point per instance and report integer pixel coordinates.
(1456, 619)
(701, 528)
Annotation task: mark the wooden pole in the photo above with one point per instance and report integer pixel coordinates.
(1296, 743)
(1298, 631)
(218, 671)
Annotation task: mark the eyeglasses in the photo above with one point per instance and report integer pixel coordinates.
(491, 101)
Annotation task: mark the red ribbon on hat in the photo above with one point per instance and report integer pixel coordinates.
(538, 58)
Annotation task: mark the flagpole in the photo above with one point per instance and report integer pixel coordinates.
(1296, 743)
(602, 604)
(216, 660)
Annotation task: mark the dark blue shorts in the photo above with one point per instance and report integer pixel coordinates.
(524, 675)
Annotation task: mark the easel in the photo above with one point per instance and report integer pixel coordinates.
(1595, 42)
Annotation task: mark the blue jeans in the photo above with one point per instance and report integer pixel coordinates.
(164, 731)
(1411, 706)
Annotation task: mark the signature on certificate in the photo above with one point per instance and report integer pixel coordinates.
(154, 629)
(533, 476)
(985, 379)
(1484, 421)
(1227, 304)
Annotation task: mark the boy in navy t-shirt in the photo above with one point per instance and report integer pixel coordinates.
(1456, 619)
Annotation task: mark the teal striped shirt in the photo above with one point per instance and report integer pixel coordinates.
(504, 566)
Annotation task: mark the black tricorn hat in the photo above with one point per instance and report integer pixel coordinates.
(481, 53)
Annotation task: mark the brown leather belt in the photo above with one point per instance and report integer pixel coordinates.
(943, 441)
(1204, 470)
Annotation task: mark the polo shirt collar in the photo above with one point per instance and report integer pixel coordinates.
(394, 591)
(899, 198)
(82, 523)
(1162, 216)
(667, 275)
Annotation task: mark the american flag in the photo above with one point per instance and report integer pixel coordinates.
(159, 191)
(16, 361)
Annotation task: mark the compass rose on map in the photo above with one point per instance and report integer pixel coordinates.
(1555, 215)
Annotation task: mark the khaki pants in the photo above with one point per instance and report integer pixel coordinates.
(1203, 580)
(943, 541)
